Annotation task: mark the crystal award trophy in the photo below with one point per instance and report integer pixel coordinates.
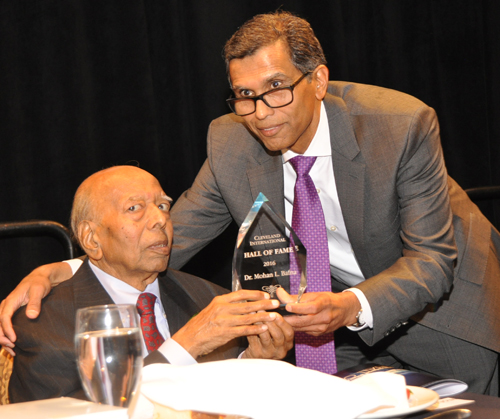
(264, 250)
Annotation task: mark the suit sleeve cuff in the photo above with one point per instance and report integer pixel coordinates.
(365, 306)
(175, 353)
(74, 264)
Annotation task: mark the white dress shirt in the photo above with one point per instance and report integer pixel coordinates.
(343, 265)
(123, 293)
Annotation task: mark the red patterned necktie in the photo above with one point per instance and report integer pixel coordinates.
(146, 309)
(308, 222)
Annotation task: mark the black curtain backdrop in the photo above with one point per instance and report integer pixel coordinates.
(85, 85)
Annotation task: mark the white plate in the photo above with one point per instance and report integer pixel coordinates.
(420, 399)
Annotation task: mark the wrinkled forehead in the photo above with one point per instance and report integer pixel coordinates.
(132, 190)
(119, 188)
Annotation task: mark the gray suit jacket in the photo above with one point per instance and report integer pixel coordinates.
(45, 364)
(425, 249)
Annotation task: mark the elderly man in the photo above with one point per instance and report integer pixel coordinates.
(403, 258)
(121, 218)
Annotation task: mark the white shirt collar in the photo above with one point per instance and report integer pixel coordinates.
(320, 144)
(119, 291)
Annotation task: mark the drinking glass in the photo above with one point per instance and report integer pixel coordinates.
(109, 352)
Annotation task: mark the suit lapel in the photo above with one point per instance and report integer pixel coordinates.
(266, 176)
(349, 171)
(88, 290)
(179, 307)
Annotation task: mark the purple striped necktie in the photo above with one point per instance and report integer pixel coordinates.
(150, 332)
(308, 222)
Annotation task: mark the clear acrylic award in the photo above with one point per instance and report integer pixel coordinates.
(264, 250)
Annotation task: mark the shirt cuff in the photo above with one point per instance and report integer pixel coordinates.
(175, 353)
(365, 306)
(74, 264)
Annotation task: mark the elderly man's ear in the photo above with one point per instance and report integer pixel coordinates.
(89, 239)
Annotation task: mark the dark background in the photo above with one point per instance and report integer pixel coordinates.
(89, 84)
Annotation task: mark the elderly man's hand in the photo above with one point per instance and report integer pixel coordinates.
(29, 291)
(274, 343)
(227, 317)
(320, 312)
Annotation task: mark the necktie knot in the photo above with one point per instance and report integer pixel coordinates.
(302, 164)
(146, 304)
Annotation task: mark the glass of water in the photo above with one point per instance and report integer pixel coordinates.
(109, 352)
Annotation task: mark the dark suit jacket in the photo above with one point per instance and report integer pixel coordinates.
(425, 249)
(45, 364)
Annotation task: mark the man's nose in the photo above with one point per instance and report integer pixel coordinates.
(262, 110)
(157, 217)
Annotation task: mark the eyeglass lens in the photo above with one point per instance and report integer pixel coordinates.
(273, 99)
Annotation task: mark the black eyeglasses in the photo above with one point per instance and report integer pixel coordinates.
(275, 98)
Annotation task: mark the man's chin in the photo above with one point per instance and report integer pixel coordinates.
(274, 146)
(164, 265)
(159, 264)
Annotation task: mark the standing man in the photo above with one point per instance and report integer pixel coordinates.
(418, 262)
